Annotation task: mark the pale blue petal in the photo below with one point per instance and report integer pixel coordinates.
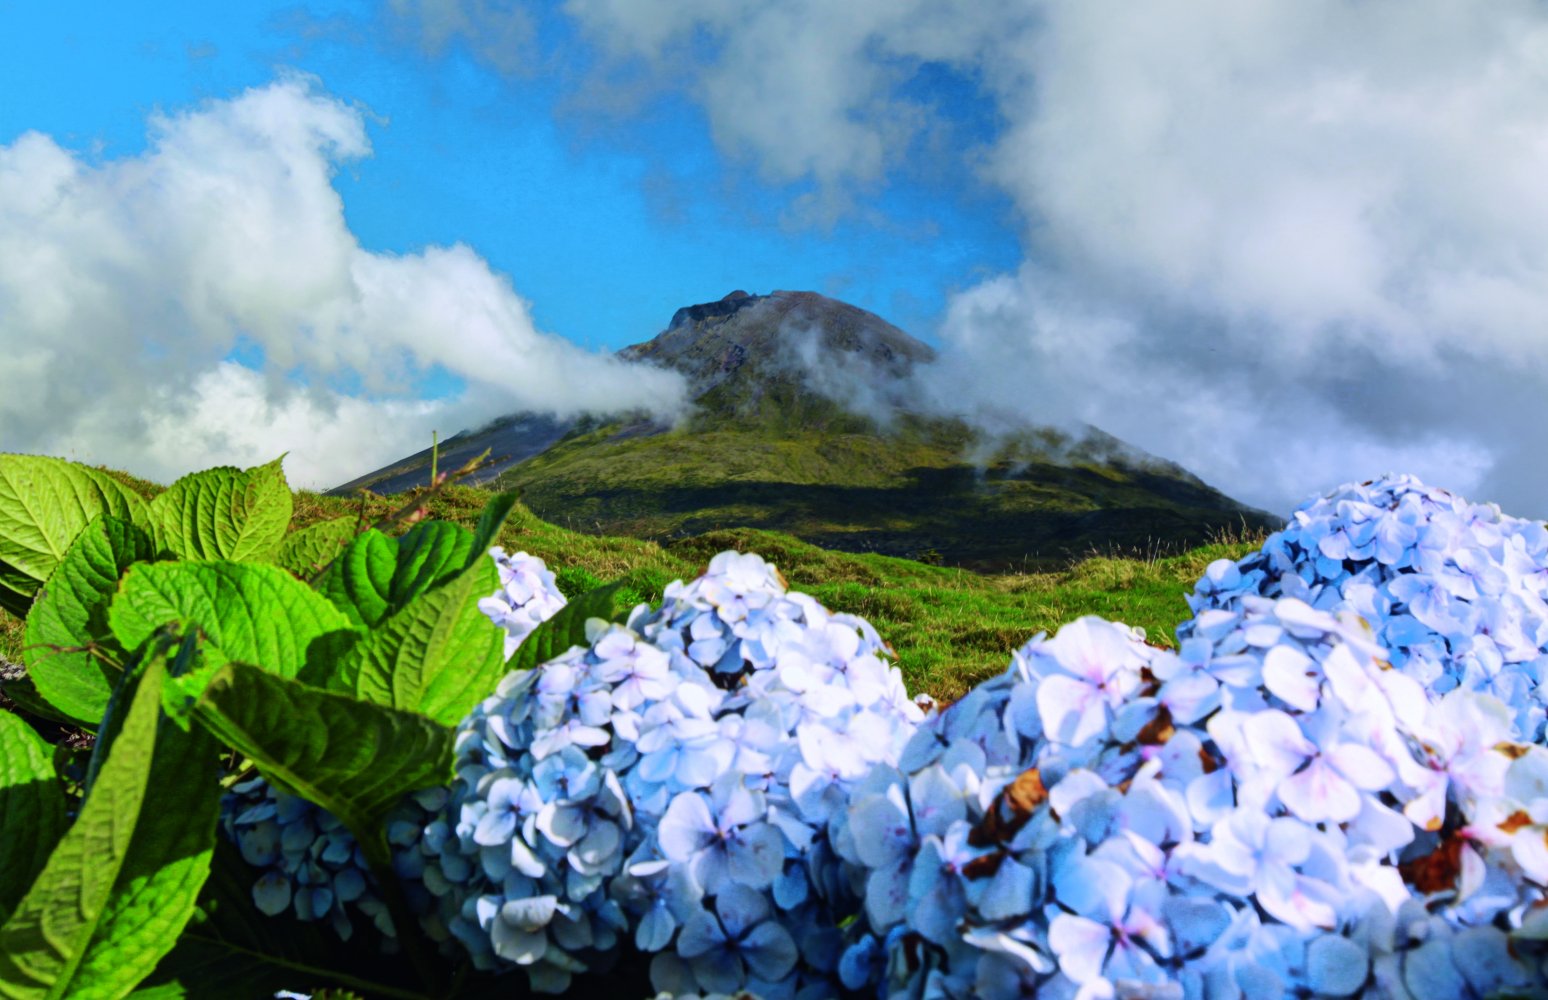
(756, 856)
(741, 908)
(271, 893)
(718, 971)
(515, 944)
(686, 828)
(701, 933)
(1009, 892)
(1336, 966)
(1429, 973)
(530, 913)
(769, 951)
(936, 801)
(655, 929)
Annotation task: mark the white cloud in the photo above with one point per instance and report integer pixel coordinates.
(808, 88)
(126, 285)
(1284, 243)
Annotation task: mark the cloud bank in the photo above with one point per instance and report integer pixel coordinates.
(1285, 244)
(132, 290)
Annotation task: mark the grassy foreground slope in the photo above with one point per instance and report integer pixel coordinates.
(949, 627)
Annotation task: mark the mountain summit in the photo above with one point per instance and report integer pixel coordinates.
(791, 359)
(801, 423)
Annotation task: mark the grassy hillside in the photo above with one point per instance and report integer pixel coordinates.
(905, 494)
(949, 627)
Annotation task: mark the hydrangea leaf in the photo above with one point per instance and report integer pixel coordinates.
(44, 504)
(377, 576)
(257, 614)
(437, 656)
(307, 551)
(352, 758)
(567, 627)
(168, 862)
(72, 610)
(496, 511)
(119, 886)
(359, 583)
(429, 554)
(224, 513)
(31, 808)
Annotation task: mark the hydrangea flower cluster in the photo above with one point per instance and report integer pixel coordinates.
(528, 596)
(1455, 591)
(670, 785)
(1271, 811)
(311, 863)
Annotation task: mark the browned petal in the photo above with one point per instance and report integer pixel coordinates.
(1210, 761)
(984, 866)
(1010, 810)
(1026, 793)
(1436, 871)
(1158, 730)
(1516, 821)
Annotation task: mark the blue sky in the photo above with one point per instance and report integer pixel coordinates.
(606, 223)
(1286, 244)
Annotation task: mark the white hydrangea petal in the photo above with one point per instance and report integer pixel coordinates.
(1081, 945)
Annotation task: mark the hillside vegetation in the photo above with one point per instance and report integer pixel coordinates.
(949, 627)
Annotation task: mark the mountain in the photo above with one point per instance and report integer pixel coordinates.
(802, 424)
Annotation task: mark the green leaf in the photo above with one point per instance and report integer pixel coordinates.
(44, 504)
(306, 551)
(496, 511)
(377, 576)
(359, 583)
(567, 627)
(71, 611)
(117, 890)
(257, 614)
(224, 513)
(31, 808)
(355, 759)
(438, 656)
(429, 554)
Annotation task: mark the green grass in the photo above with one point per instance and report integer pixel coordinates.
(949, 627)
(908, 495)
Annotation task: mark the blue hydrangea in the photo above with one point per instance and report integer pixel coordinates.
(669, 787)
(1275, 813)
(311, 865)
(1454, 591)
(528, 596)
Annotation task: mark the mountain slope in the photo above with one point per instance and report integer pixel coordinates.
(802, 425)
